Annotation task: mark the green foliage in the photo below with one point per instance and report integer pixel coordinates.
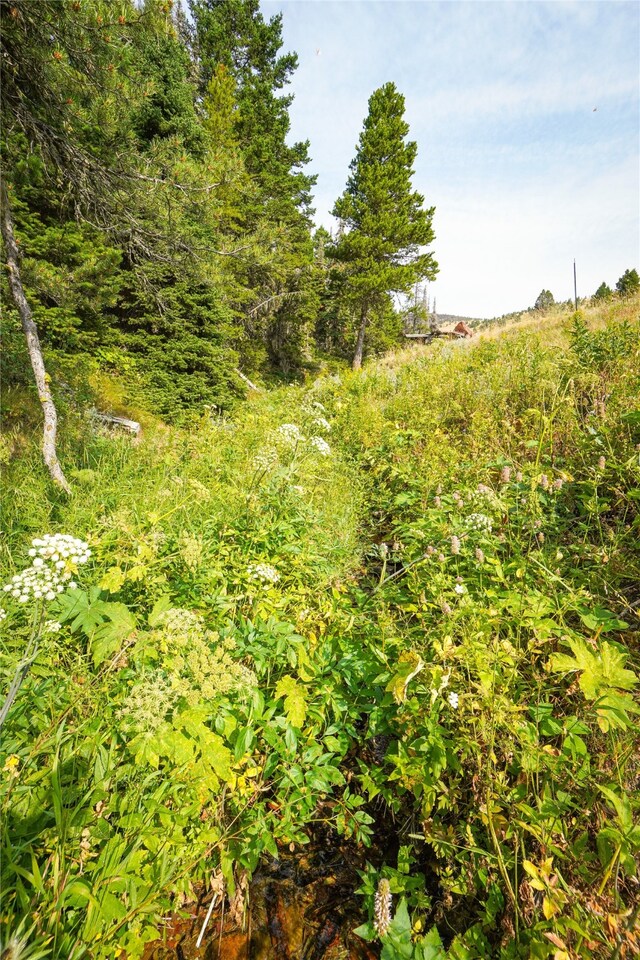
(544, 300)
(384, 221)
(604, 292)
(432, 620)
(628, 284)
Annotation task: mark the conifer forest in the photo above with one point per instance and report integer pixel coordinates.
(320, 617)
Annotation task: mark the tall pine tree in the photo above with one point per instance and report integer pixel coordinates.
(384, 224)
(233, 39)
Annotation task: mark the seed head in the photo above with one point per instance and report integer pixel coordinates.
(382, 908)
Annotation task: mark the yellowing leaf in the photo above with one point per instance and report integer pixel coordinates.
(295, 706)
(409, 666)
(549, 908)
(112, 580)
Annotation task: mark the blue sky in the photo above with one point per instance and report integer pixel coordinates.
(527, 120)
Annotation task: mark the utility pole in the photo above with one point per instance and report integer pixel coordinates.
(575, 285)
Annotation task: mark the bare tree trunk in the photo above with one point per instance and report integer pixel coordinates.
(357, 358)
(33, 343)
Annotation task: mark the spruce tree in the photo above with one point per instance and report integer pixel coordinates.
(385, 226)
(544, 300)
(628, 284)
(234, 41)
(604, 292)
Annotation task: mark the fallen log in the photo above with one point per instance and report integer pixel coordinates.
(118, 423)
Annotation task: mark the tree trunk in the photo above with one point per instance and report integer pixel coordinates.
(357, 358)
(33, 343)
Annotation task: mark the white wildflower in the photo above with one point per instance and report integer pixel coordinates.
(479, 521)
(3, 614)
(455, 546)
(290, 434)
(321, 445)
(453, 699)
(54, 559)
(459, 589)
(52, 626)
(319, 406)
(321, 424)
(264, 460)
(264, 572)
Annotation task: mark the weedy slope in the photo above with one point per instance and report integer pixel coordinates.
(414, 589)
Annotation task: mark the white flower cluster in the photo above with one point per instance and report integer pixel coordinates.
(322, 424)
(318, 406)
(264, 572)
(60, 548)
(3, 614)
(55, 558)
(453, 699)
(290, 434)
(264, 459)
(321, 445)
(479, 521)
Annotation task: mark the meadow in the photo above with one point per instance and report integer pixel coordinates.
(409, 594)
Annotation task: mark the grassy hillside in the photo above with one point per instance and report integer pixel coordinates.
(404, 597)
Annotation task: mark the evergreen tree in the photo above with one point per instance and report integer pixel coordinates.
(234, 41)
(544, 300)
(604, 292)
(60, 86)
(628, 284)
(384, 222)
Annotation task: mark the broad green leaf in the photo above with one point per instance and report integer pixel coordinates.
(160, 606)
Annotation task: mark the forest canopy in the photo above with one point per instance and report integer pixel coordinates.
(162, 213)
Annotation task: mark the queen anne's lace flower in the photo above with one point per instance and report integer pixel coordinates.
(52, 626)
(321, 424)
(290, 433)
(264, 572)
(55, 557)
(264, 459)
(453, 699)
(321, 445)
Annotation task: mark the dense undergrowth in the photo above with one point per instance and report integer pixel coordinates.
(415, 589)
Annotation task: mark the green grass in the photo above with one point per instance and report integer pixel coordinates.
(473, 531)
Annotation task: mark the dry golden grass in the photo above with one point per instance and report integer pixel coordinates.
(553, 324)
